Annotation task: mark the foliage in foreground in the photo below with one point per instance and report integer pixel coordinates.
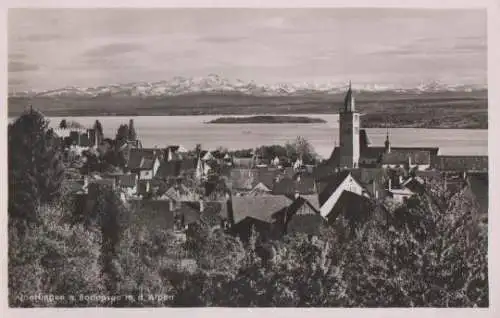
(419, 255)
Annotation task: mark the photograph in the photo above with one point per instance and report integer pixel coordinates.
(247, 157)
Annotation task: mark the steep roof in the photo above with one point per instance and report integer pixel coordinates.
(461, 163)
(330, 184)
(401, 156)
(261, 207)
(137, 157)
(352, 205)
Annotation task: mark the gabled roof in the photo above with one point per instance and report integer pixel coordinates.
(461, 163)
(127, 180)
(351, 204)
(213, 211)
(179, 192)
(260, 187)
(137, 157)
(302, 185)
(207, 156)
(312, 200)
(330, 184)
(175, 167)
(146, 164)
(401, 157)
(261, 207)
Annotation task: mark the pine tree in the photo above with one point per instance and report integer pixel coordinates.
(35, 166)
(98, 130)
(132, 135)
(63, 124)
(122, 135)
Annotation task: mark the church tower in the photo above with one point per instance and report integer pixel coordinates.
(349, 132)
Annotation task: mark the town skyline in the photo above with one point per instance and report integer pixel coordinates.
(94, 47)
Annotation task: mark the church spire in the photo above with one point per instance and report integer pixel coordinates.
(349, 100)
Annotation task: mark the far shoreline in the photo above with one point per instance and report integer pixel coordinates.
(267, 119)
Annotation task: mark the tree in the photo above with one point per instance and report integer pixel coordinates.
(98, 131)
(53, 258)
(35, 166)
(110, 217)
(122, 135)
(63, 124)
(132, 135)
(301, 148)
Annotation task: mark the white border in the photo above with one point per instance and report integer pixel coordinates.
(494, 127)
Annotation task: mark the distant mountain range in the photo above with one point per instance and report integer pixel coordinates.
(217, 84)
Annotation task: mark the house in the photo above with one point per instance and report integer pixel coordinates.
(137, 156)
(250, 212)
(175, 153)
(302, 216)
(462, 163)
(128, 182)
(412, 159)
(300, 183)
(341, 193)
(245, 180)
(179, 192)
(260, 189)
(175, 168)
(144, 164)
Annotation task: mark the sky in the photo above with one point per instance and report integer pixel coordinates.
(55, 48)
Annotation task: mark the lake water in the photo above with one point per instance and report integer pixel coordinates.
(189, 130)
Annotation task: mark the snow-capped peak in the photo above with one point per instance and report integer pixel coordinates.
(214, 83)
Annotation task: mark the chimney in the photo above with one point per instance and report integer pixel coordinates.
(389, 186)
(171, 205)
